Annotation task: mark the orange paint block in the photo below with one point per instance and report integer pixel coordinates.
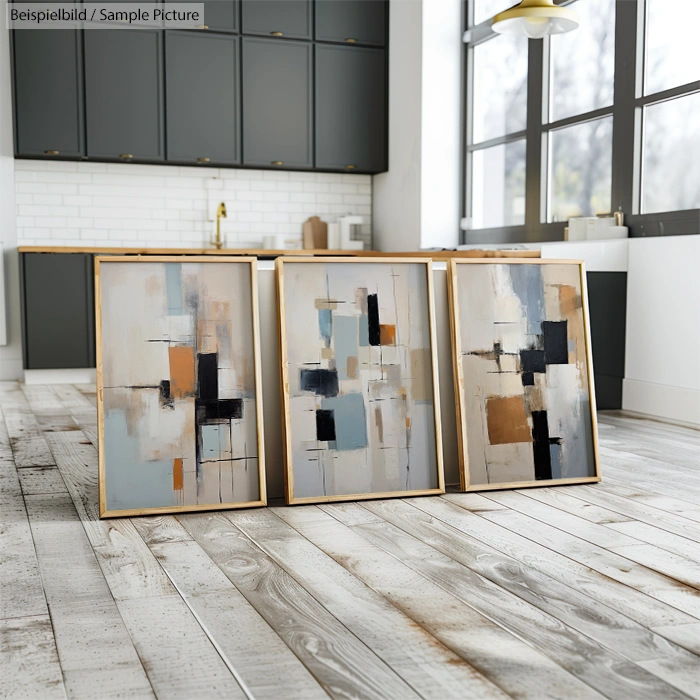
(506, 420)
(177, 474)
(181, 371)
(387, 334)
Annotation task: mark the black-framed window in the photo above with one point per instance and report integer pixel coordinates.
(601, 119)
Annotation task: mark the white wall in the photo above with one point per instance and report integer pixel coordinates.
(10, 354)
(416, 203)
(662, 359)
(125, 204)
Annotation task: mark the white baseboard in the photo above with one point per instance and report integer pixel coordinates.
(59, 376)
(668, 402)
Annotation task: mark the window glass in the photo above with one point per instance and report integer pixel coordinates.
(498, 190)
(580, 170)
(583, 61)
(671, 155)
(485, 9)
(500, 87)
(672, 46)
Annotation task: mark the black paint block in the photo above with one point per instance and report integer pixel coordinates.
(323, 382)
(225, 409)
(532, 361)
(556, 342)
(373, 319)
(207, 377)
(325, 425)
(540, 445)
(528, 379)
(164, 391)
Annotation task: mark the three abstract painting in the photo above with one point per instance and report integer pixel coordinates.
(180, 389)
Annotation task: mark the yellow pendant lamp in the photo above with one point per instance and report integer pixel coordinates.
(535, 19)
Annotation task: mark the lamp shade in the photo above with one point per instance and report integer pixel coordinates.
(535, 19)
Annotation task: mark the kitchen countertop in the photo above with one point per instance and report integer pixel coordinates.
(256, 252)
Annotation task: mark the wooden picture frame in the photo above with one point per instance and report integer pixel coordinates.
(424, 266)
(466, 421)
(184, 478)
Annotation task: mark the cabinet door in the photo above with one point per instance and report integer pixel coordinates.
(277, 107)
(288, 18)
(48, 85)
(58, 306)
(350, 109)
(221, 15)
(124, 94)
(202, 97)
(352, 21)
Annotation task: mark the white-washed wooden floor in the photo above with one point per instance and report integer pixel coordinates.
(574, 592)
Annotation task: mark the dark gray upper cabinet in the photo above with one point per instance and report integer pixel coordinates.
(48, 86)
(277, 103)
(124, 94)
(202, 97)
(58, 308)
(286, 18)
(350, 109)
(221, 15)
(352, 21)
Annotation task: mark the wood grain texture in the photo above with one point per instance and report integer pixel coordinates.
(158, 529)
(458, 624)
(26, 439)
(431, 669)
(36, 480)
(579, 612)
(29, 666)
(73, 400)
(95, 650)
(324, 645)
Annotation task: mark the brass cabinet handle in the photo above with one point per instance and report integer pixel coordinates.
(51, 153)
(126, 156)
(276, 162)
(202, 26)
(203, 160)
(276, 33)
(351, 41)
(349, 167)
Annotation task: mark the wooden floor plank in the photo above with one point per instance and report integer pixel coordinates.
(29, 666)
(26, 439)
(179, 658)
(661, 539)
(95, 650)
(608, 628)
(607, 671)
(72, 399)
(431, 669)
(324, 645)
(35, 480)
(158, 529)
(250, 646)
(515, 666)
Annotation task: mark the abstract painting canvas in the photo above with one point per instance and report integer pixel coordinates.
(359, 379)
(524, 381)
(178, 377)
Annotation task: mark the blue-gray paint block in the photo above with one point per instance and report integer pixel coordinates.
(350, 420)
(325, 325)
(345, 343)
(173, 287)
(529, 286)
(364, 331)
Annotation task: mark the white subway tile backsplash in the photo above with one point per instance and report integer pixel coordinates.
(126, 204)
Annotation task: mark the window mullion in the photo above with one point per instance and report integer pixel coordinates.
(626, 142)
(533, 152)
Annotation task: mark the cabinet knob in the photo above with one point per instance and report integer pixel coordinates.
(349, 167)
(351, 41)
(276, 33)
(202, 26)
(276, 162)
(51, 153)
(203, 160)
(126, 156)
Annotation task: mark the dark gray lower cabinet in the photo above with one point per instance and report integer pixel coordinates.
(282, 18)
(58, 313)
(352, 21)
(48, 81)
(124, 94)
(350, 108)
(607, 303)
(202, 78)
(277, 103)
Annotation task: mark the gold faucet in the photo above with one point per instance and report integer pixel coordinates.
(221, 211)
